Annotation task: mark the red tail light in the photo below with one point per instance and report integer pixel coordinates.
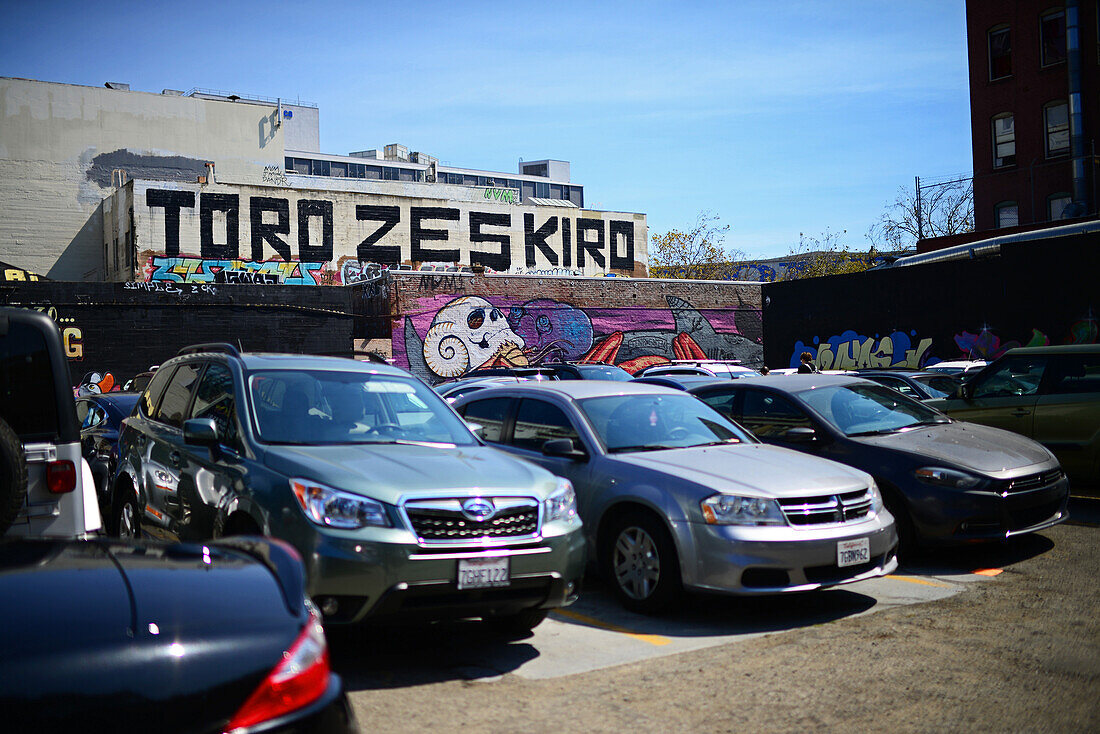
(299, 680)
(61, 476)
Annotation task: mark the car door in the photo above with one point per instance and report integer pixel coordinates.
(1067, 414)
(165, 454)
(211, 477)
(538, 421)
(1004, 396)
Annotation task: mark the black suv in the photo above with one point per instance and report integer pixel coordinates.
(396, 506)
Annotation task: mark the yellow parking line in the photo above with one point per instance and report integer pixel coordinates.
(651, 639)
(925, 582)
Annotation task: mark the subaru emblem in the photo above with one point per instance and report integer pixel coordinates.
(479, 509)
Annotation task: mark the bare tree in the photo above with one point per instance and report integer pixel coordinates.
(699, 253)
(931, 210)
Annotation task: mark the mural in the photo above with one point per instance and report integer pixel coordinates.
(206, 270)
(450, 336)
(95, 383)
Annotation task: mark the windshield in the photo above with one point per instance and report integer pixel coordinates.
(604, 372)
(319, 407)
(938, 386)
(650, 422)
(863, 410)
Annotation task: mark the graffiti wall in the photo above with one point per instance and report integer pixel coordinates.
(1032, 294)
(446, 325)
(229, 233)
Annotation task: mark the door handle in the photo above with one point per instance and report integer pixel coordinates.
(1021, 412)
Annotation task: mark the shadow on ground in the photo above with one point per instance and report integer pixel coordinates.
(969, 558)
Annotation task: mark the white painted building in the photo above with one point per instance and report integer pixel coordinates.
(107, 183)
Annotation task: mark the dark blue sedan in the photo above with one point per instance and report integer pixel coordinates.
(100, 416)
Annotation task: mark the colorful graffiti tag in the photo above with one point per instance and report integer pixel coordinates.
(849, 351)
(204, 270)
(450, 336)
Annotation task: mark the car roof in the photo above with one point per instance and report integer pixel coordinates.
(789, 383)
(253, 361)
(902, 373)
(685, 381)
(581, 389)
(1057, 349)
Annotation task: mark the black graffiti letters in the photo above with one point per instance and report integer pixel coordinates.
(367, 251)
(626, 230)
(533, 238)
(418, 233)
(230, 205)
(584, 245)
(501, 261)
(308, 208)
(171, 201)
(271, 233)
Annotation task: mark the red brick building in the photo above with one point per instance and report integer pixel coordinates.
(1034, 110)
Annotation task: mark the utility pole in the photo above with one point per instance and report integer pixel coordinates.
(920, 219)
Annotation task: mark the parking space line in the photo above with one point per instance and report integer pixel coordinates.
(915, 580)
(988, 571)
(592, 622)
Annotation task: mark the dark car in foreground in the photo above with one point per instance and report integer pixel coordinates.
(398, 509)
(106, 636)
(100, 417)
(945, 481)
(674, 496)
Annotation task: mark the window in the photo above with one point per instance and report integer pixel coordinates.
(1052, 32)
(771, 415)
(339, 170)
(1056, 205)
(299, 165)
(1006, 214)
(538, 422)
(576, 195)
(27, 394)
(215, 399)
(1017, 376)
(390, 174)
(542, 190)
(89, 415)
(1004, 141)
(489, 414)
(895, 383)
(173, 406)
(1056, 120)
(320, 168)
(1073, 374)
(153, 391)
(1000, 53)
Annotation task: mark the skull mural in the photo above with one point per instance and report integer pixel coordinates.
(467, 333)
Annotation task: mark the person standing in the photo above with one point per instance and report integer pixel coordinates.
(807, 367)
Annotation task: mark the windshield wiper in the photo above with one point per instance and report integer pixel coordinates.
(643, 447)
(721, 442)
(879, 432)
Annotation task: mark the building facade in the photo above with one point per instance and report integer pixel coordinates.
(1035, 111)
(112, 184)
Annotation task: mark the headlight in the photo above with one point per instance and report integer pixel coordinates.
(335, 509)
(562, 505)
(947, 477)
(876, 498)
(728, 509)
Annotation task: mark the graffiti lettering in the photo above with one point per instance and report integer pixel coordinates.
(850, 351)
(200, 270)
(353, 271)
(445, 283)
(506, 195)
(275, 175)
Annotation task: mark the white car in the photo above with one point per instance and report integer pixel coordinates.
(703, 367)
(957, 367)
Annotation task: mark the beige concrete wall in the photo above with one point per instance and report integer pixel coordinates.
(60, 147)
(282, 233)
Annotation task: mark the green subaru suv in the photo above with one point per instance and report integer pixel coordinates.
(397, 509)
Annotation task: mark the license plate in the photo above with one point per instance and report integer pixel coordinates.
(853, 552)
(483, 573)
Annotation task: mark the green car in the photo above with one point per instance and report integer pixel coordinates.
(397, 509)
(1049, 394)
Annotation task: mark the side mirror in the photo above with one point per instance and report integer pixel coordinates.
(800, 434)
(476, 428)
(564, 448)
(965, 391)
(200, 432)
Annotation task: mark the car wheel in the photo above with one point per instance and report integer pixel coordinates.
(642, 565)
(127, 519)
(13, 476)
(519, 623)
(908, 543)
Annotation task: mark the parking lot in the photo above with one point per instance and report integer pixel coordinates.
(998, 636)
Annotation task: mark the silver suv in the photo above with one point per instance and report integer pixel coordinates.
(46, 487)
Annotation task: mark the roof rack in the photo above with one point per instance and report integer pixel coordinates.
(222, 347)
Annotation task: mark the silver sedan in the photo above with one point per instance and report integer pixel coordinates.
(673, 495)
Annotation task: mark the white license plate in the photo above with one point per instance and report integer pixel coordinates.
(483, 573)
(853, 552)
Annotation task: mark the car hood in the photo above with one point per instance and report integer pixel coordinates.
(751, 469)
(387, 472)
(966, 445)
(99, 636)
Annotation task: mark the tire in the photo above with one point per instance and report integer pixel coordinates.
(520, 623)
(126, 519)
(908, 543)
(641, 564)
(13, 476)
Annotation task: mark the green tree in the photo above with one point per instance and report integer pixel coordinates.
(825, 255)
(699, 254)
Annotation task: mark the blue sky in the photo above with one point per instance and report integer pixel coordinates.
(780, 118)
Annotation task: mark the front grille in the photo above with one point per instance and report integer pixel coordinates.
(443, 520)
(827, 509)
(1031, 481)
(1026, 517)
